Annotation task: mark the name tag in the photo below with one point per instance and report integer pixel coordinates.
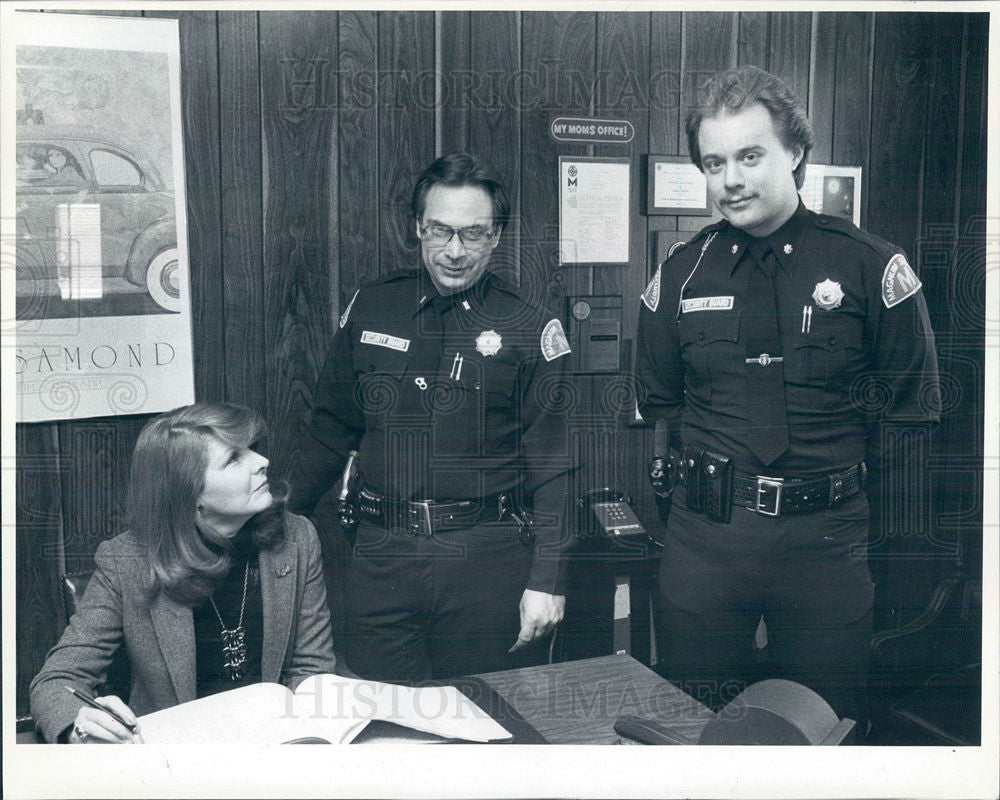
(707, 304)
(385, 340)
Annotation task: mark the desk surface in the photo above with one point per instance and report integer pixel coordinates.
(577, 702)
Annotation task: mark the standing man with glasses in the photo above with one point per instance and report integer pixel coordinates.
(773, 345)
(445, 380)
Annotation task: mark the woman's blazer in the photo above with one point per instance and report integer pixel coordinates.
(159, 635)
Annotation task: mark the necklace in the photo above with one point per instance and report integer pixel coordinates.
(234, 646)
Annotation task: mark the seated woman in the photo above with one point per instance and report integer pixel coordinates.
(214, 585)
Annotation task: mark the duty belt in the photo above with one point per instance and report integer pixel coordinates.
(425, 517)
(774, 496)
(713, 487)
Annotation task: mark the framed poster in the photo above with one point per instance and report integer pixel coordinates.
(833, 190)
(675, 186)
(99, 244)
(594, 217)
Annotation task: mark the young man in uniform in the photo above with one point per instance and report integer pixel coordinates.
(440, 377)
(772, 345)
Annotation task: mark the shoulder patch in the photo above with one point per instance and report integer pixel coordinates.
(347, 311)
(554, 343)
(651, 297)
(899, 281)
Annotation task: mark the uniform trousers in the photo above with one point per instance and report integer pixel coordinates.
(806, 574)
(426, 607)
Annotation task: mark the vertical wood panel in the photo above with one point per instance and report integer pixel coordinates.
(300, 188)
(558, 63)
(495, 125)
(455, 81)
(558, 59)
(939, 211)
(666, 113)
(753, 42)
(899, 104)
(852, 128)
(200, 104)
(788, 50)
(242, 207)
(358, 151)
(40, 613)
(966, 296)
(623, 44)
(406, 128)
(623, 64)
(822, 85)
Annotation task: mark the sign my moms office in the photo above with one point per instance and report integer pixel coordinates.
(594, 131)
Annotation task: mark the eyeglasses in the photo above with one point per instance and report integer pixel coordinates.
(473, 236)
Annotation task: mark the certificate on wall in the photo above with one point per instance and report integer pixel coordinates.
(833, 190)
(99, 240)
(594, 210)
(676, 186)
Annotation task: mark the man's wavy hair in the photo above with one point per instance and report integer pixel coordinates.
(462, 169)
(736, 90)
(168, 476)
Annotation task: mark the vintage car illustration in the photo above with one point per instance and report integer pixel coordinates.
(98, 179)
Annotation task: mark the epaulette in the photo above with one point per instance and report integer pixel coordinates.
(392, 277)
(899, 281)
(678, 246)
(395, 275)
(840, 225)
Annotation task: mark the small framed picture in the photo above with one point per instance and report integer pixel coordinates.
(676, 186)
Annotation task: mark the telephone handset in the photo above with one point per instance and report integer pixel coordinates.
(611, 515)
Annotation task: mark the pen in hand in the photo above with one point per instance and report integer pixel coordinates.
(90, 701)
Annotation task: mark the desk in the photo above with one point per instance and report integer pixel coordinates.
(577, 702)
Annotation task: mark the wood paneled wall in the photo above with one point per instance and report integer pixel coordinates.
(303, 135)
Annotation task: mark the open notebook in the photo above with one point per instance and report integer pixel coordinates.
(327, 707)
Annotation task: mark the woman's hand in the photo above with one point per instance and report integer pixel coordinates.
(93, 726)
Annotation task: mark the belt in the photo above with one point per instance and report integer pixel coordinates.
(713, 487)
(774, 496)
(425, 517)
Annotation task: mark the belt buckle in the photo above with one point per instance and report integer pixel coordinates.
(425, 506)
(763, 484)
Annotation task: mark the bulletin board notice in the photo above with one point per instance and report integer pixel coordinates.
(594, 218)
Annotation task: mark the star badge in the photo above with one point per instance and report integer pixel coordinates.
(488, 343)
(828, 295)
(787, 248)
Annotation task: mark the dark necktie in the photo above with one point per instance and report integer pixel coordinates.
(767, 435)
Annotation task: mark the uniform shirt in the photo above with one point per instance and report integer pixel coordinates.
(855, 338)
(447, 398)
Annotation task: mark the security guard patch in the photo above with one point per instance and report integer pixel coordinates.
(554, 343)
(385, 340)
(720, 303)
(898, 281)
(347, 311)
(651, 297)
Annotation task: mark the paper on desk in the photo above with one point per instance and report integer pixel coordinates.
(441, 710)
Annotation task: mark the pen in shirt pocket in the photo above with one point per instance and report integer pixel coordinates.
(807, 318)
